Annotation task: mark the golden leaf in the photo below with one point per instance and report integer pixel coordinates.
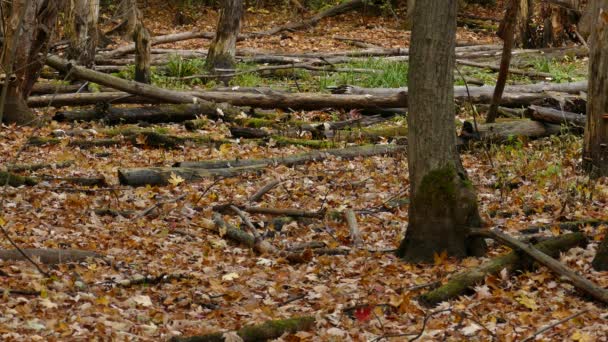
(175, 180)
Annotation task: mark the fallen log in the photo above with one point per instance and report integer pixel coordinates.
(193, 171)
(462, 282)
(507, 131)
(555, 116)
(298, 159)
(83, 99)
(341, 8)
(49, 256)
(141, 89)
(542, 258)
(528, 73)
(269, 330)
(36, 167)
(156, 114)
(7, 178)
(168, 38)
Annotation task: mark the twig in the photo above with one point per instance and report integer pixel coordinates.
(353, 227)
(551, 326)
(292, 299)
(426, 318)
(247, 222)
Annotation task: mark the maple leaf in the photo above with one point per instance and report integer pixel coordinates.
(440, 258)
(175, 180)
(527, 302)
(230, 276)
(232, 336)
(363, 314)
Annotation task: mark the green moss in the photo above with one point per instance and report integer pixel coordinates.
(282, 141)
(438, 185)
(16, 180)
(39, 141)
(255, 122)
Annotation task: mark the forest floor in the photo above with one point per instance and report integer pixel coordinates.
(215, 285)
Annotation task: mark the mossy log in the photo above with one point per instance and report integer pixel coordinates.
(350, 152)
(16, 180)
(49, 256)
(370, 135)
(462, 282)
(266, 331)
(83, 144)
(155, 114)
(193, 171)
(36, 167)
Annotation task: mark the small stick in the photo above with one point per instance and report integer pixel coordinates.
(551, 326)
(258, 195)
(23, 253)
(247, 222)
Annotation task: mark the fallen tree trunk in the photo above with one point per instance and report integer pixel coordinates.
(131, 87)
(83, 99)
(555, 116)
(49, 256)
(460, 283)
(508, 130)
(199, 170)
(157, 114)
(266, 331)
(168, 38)
(542, 258)
(532, 74)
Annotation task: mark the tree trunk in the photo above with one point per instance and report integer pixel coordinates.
(507, 35)
(409, 16)
(600, 262)
(27, 35)
(83, 31)
(143, 46)
(223, 47)
(595, 148)
(523, 30)
(443, 203)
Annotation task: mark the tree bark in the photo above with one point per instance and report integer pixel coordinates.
(595, 148)
(443, 203)
(29, 28)
(83, 32)
(600, 262)
(141, 36)
(555, 116)
(223, 47)
(409, 16)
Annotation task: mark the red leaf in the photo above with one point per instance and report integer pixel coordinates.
(363, 313)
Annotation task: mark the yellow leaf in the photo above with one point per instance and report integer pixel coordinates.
(555, 230)
(441, 258)
(527, 302)
(175, 180)
(2, 222)
(581, 337)
(103, 300)
(230, 276)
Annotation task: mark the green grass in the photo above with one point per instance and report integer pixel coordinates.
(392, 75)
(567, 70)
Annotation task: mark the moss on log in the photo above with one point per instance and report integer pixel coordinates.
(460, 283)
(16, 180)
(255, 333)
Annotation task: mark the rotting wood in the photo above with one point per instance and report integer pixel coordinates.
(355, 233)
(460, 283)
(49, 256)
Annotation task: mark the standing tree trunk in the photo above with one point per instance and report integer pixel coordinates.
(443, 202)
(83, 31)
(30, 26)
(143, 50)
(223, 47)
(507, 33)
(595, 149)
(523, 27)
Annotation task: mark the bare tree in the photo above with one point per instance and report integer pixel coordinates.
(443, 203)
(30, 26)
(223, 47)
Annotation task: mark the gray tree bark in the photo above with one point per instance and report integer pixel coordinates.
(443, 203)
(83, 31)
(595, 148)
